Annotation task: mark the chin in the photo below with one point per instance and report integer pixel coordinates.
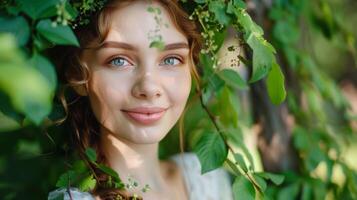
(143, 139)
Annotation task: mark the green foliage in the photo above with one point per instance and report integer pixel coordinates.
(38, 9)
(211, 151)
(57, 34)
(27, 89)
(243, 189)
(18, 27)
(28, 83)
(275, 84)
(91, 154)
(233, 79)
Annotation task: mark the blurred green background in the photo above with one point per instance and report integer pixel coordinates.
(310, 138)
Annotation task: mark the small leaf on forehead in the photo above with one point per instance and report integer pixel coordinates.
(159, 44)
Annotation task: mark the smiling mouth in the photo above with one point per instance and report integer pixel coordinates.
(145, 117)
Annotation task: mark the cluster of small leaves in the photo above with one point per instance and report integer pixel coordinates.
(81, 176)
(114, 180)
(154, 35)
(215, 145)
(86, 8)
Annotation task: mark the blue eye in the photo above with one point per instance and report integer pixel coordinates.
(171, 61)
(119, 61)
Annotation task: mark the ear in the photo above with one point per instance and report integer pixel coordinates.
(81, 89)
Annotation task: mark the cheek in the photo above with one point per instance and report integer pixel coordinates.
(105, 96)
(179, 89)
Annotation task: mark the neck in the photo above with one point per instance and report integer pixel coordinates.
(136, 161)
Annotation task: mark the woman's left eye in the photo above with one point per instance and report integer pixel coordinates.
(171, 61)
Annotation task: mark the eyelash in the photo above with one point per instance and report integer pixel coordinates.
(110, 62)
(127, 60)
(175, 57)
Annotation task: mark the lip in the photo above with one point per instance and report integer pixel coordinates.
(145, 115)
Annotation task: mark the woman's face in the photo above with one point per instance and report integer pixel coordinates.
(136, 92)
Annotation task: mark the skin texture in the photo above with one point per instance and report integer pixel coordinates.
(125, 78)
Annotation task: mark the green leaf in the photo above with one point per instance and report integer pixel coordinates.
(10, 113)
(243, 189)
(159, 44)
(91, 154)
(66, 178)
(219, 10)
(240, 160)
(27, 89)
(277, 179)
(200, 1)
(239, 3)
(206, 94)
(216, 82)
(261, 182)
(47, 69)
(233, 79)
(18, 26)
(234, 167)
(289, 192)
(222, 107)
(150, 9)
(58, 34)
(88, 183)
(249, 26)
(235, 5)
(8, 123)
(39, 8)
(207, 65)
(71, 10)
(41, 43)
(109, 171)
(276, 85)
(219, 38)
(263, 56)
(211, 151)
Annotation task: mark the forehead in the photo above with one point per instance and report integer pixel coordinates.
(134, 24)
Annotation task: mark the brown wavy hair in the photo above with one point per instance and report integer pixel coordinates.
(73, 74)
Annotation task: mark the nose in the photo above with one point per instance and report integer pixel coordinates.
(147, 86)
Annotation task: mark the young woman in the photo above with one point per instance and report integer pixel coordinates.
(131, 93)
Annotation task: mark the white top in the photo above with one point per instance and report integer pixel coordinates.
(214, 185)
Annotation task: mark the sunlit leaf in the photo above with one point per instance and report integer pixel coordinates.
(243, 189)
(66, 178)
(27, 89)
(240, 160)
(88, 183)
(211, 151)
(263, 56)
(276, 85)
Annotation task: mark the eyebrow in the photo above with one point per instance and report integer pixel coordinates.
(123, 45)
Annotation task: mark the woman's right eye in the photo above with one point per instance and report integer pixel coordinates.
(119, 62)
